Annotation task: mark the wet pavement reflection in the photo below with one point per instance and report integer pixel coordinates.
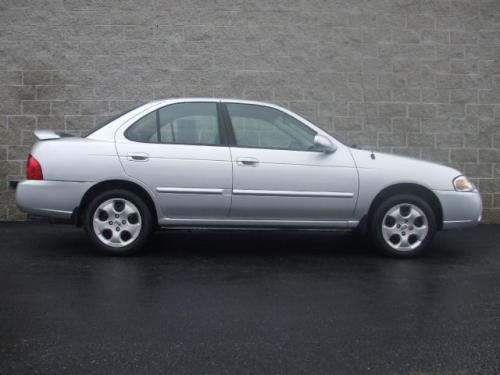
(247, 302)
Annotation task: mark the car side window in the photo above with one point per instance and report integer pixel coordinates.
(189, 123)
(144, 129)
(266, 127)
(181, 123)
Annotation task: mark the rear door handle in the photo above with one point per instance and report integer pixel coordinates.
(252, 162)
(138, 156)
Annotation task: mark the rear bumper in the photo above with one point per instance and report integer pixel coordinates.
(54, 199)
(460, 210)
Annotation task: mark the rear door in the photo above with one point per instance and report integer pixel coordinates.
(179, 151)
(278, 174)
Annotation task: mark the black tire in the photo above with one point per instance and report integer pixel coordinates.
(383, 208)
(146, 220)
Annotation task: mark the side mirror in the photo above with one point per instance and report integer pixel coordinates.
(323, 144)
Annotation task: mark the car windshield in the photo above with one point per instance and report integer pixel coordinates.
(107, 121)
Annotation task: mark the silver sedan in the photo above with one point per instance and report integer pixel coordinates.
(233, 163)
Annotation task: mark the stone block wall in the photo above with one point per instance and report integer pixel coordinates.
(413, 77)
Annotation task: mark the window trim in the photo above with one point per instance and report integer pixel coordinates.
(228, 126)
(158, 132)
(225, 136)
(220, 126)
(228, 123)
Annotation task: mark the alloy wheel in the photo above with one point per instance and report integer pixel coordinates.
(117, 222)
(404, 227)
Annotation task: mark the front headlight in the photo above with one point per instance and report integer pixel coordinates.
(461, 183)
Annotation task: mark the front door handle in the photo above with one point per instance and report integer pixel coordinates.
(251, 162)
(137, 156)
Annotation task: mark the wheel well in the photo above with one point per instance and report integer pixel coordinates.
(109, 185)
(408, 188)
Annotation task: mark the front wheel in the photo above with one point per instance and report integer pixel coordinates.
(118, 222)
(403, 225)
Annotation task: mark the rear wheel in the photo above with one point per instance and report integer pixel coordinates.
(403, 225)
(118, 222)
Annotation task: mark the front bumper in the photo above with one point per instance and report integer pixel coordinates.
(460, 209)
(55, 199)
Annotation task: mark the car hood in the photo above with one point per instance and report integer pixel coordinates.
(402, 169)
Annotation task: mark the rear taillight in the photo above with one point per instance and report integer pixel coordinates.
(33, 169)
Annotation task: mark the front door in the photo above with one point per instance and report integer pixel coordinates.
(179, 152)
(278, 174)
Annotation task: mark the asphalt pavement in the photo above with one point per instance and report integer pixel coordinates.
(257, 302)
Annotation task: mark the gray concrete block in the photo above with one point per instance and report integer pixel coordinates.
(419, 78)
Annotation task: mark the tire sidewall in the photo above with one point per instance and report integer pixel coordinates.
(146, 218)
(378, 216)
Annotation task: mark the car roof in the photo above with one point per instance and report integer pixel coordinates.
(215, 100)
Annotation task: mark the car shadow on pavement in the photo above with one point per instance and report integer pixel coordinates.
(68, 241)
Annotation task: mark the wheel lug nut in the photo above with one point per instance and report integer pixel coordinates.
(110, 223)
(403, 233)
(117, 229)
(117, 216)
(398, 226)
(124, 222)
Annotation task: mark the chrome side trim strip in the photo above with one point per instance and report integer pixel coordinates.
(281, 193)
(189, 190)
(287, 193)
